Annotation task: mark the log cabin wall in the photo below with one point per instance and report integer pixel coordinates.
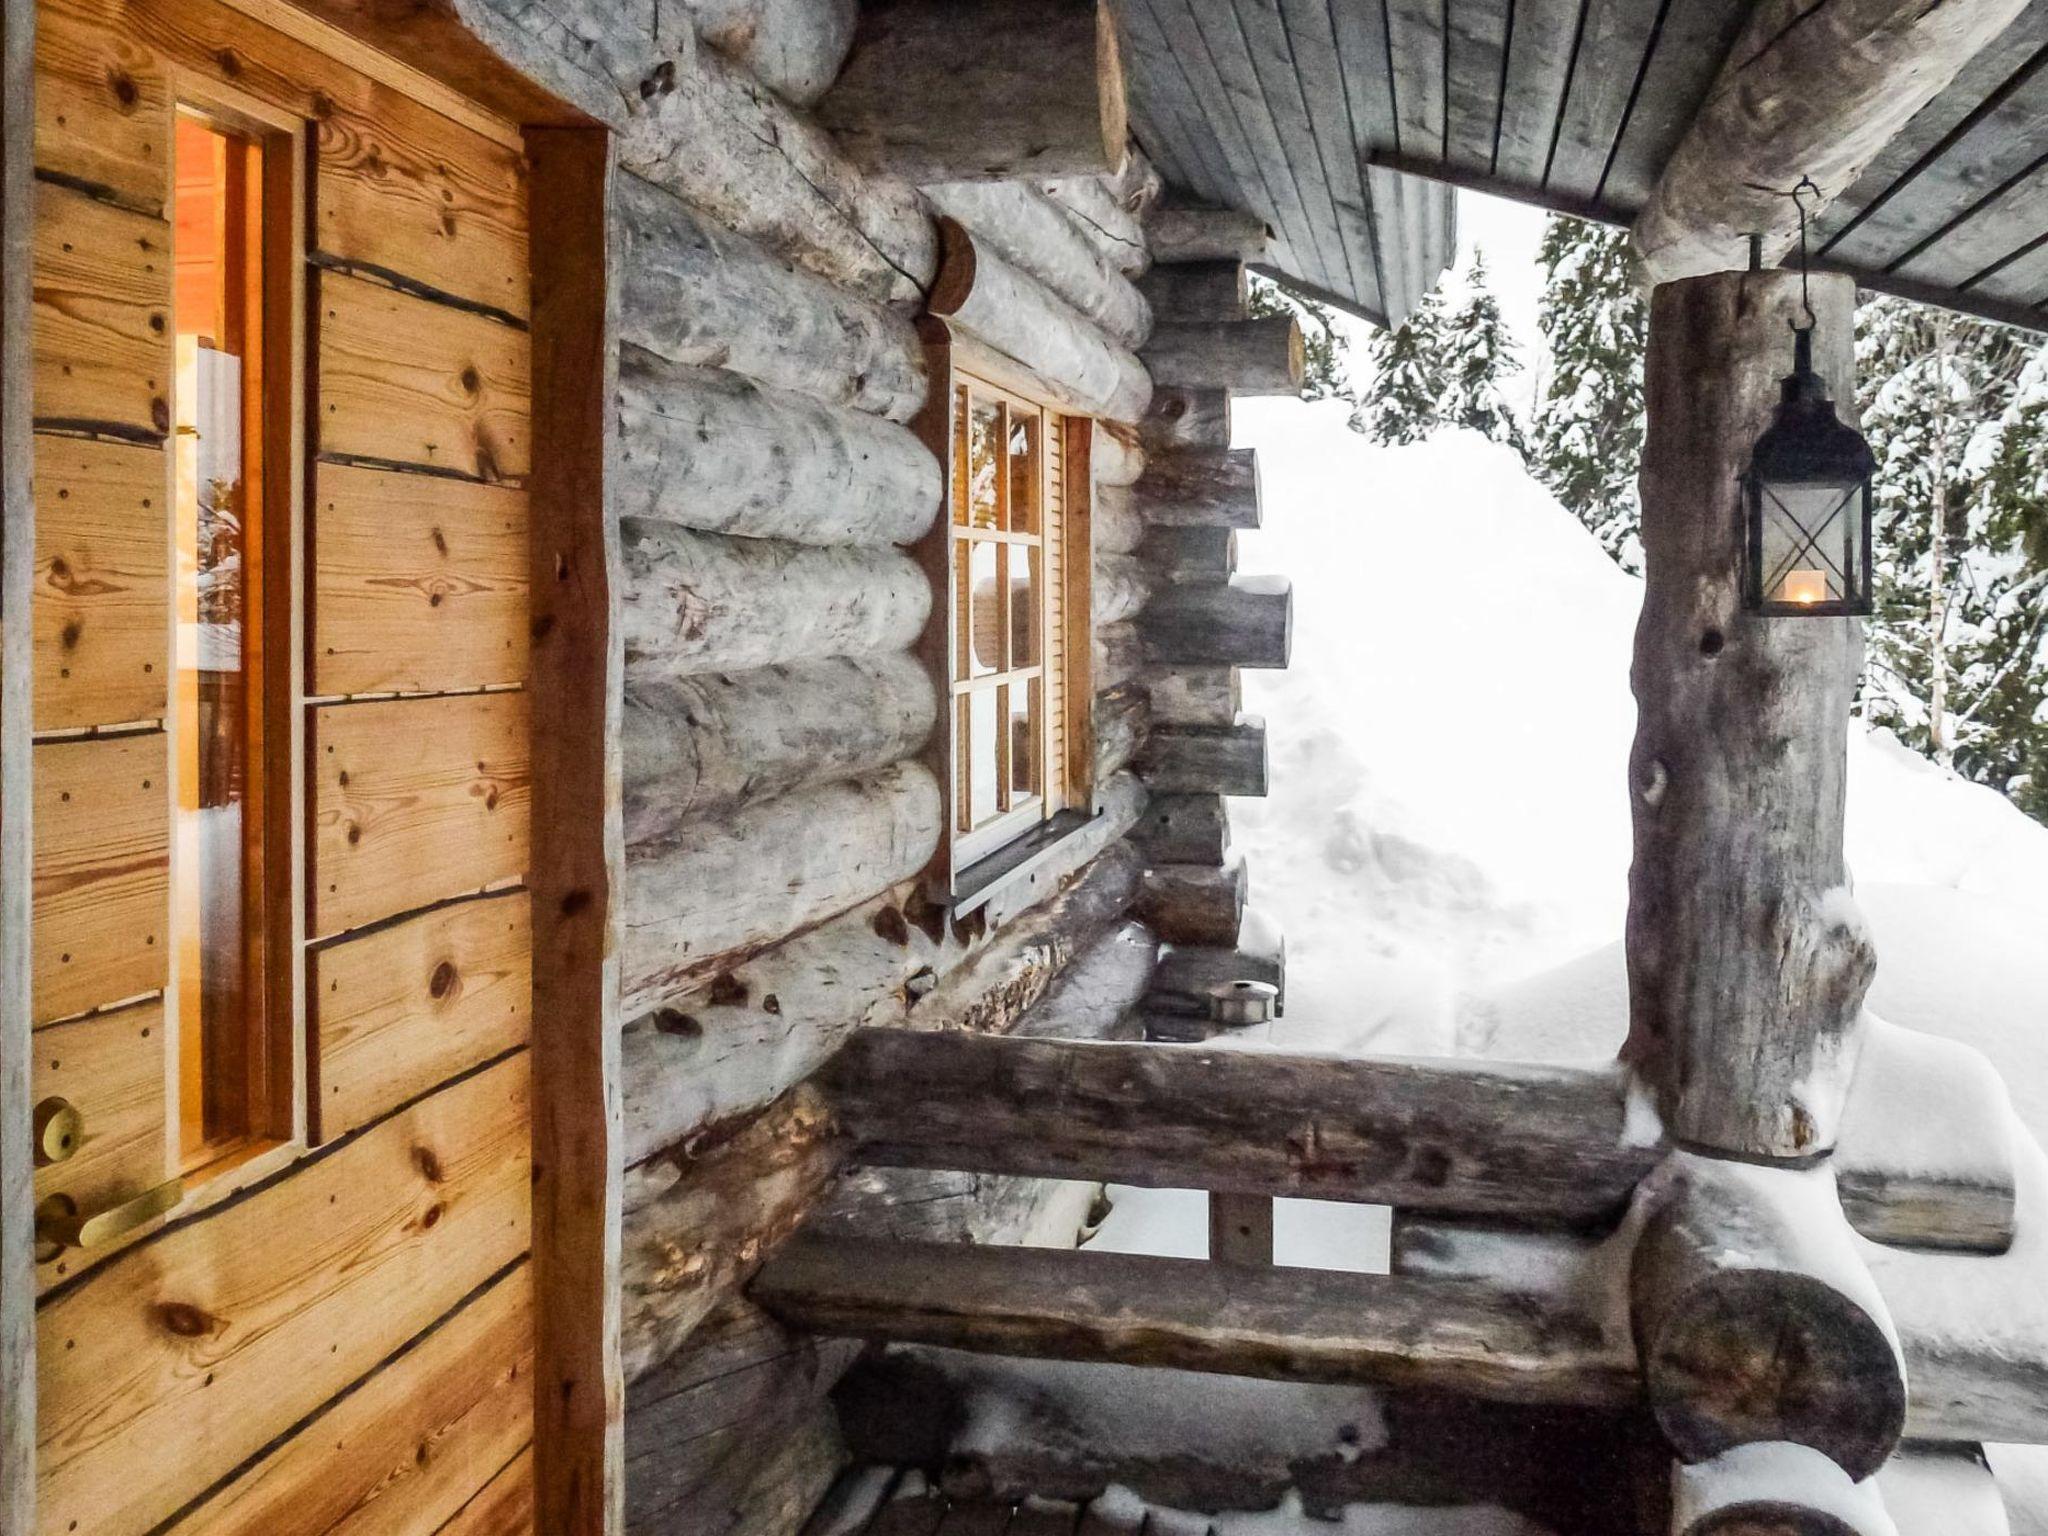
(337, 1311)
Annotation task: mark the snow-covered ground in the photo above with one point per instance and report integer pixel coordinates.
(1446, 844)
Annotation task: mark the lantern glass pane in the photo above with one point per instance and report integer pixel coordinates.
(1811, 541)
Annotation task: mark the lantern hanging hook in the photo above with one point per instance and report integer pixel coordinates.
(1806, 184)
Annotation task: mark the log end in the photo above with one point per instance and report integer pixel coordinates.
(955, 279)
(1109, 92)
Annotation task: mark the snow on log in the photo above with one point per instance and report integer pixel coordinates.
(1121, 586)
(1198, 290)
(1114, 525)
(745, 1033)
(686, 1245)
(1933, 1489)
(1185, 829)
(981, 90)
(1189, 1314)
(1758, 1319)
(718, 889)
(1929, 1130)
(1807, 91)
(1259, 356)
(1121, 715)
(1547, 1146)
(705, 129)
(1191, 553)
(1775, 1489)
(716, 452)
(1206, 234)
(1111, 209)
(1017, 315)
(794, 47)
(1032, 233)
(1194, 903)
(1245, 622)
(705, 602)
(695, 745)
(1221, 760)
(1117, 457)
(1181, 985)
(1119, 655)
(1186, 418)
(1213, 488)
(1195, 695)
(694, 293)
(1748, 960)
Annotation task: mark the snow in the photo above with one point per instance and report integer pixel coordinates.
(1777, 1472)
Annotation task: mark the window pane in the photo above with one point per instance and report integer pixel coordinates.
(984, 564)
(1024, 590)
(962, 455)
(984, 460)
(1024, 478)
(979, 771)
(1024, 711)
(1808, 552)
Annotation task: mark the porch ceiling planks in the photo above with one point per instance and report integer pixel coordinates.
(1328, 119)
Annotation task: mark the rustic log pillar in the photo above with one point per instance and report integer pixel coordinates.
(1214, 489)
(1247, 621)
(1747, 960)
(1217, 760)
(1260, 356)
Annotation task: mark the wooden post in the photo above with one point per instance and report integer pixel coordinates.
(578, 848)
(17, 575)
(1747, 960)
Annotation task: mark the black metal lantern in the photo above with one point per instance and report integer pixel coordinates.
(1809, 504)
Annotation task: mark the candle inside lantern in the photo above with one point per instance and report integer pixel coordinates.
(1804, 587)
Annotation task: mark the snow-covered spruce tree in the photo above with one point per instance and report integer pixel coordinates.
(1326, 351)
(1587, 438)
(1445, 367)
(1955, 665)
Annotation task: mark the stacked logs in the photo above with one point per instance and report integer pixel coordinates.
(1201, 621)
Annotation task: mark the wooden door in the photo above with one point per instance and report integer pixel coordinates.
(281, 955)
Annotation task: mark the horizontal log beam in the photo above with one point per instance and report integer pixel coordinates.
(1121, 587)
(982, 90)
(714, 451)
(1260, 356)
(1245, 622)
(1119, 655)
(1186, 418)
(1220, 760)
(1191, 553)
(1212, 488)
(1195, 903)
(1118, 458)
(1206, 234)
(1185, 829)
(1111, 210)
(1122, 716)
(1807, 91)
(1278, 1324)
(1114, 525)
(1035, 235)
(1187, 973)
(1204, 696)
(1198, 290)
(794, 47)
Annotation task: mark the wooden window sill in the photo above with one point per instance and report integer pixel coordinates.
(1015, 863)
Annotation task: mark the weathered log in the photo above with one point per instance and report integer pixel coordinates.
(702, 1224)
(716, 452)
(1748, 961)
(981, 90)
(1221, 760)
(1259, 356)
(1185, 829)
(1180, 987)
(1206, 234)
(1017, 315)
(1035, 235)
(1187, 1314)
(1119, 655)
(1246, 622)
(704, 602)
(1198, 290)
(1194, 903)
(717, 890)
(750, 1030)
(1121, 586)
(1775, 1489)
(1114, 524)
(1117, 458)
(1121, 717)
(1803, 93)
(1957, 1189)
(1195, 695)
(708, 131)
(695, 293)
(1111, 209)
(1191, 553)
(1545, 1146)
(1094, 996)
(698, 745)
(1186, 418)
(1213, 488)
(1758, 1320)
(794, 47)
(1240, 1230)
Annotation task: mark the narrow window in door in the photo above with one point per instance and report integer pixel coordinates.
(220, 854)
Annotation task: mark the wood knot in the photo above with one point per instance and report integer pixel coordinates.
(770, 1003)
(672, 1021)
(125, 90)
(728, 990)
(184, 1319)
(443, 981)
(889, 925)
(428, 1163)
(660, 81)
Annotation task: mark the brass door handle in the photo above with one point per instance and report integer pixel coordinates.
(59, 1131)
(60, 1224)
